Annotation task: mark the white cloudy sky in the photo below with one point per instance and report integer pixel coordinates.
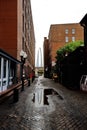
(47, 12)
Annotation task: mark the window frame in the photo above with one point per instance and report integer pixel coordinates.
(66, 39)
(66, 31)
(73, 30)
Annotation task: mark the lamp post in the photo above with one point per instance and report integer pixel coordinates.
(23, 56)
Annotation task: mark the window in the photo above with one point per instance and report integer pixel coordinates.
(66, 39)
(0, 76)
(66, 31)
(23, 43)
(23, 23)
(3, 74)
(23, 4)
(11, 73)
(73, 31)
(0, 67)
(73, 39)
(4, 69)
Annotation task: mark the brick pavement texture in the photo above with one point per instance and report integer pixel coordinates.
(65, 111)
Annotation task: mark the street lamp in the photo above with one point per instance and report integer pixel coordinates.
(23, 56)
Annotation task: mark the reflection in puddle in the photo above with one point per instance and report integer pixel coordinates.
(40, 97)
(33, 97)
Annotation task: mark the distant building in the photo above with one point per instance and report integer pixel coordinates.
(59, 35)
(17, 31)
(47, 57)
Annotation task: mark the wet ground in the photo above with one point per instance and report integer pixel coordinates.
(45, 105)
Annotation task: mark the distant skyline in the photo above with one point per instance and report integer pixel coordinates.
(47, 12)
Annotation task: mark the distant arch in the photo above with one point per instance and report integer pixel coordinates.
(39, 58)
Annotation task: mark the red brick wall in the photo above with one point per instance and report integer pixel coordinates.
(46, 52)
(8, 26)
(57, 36)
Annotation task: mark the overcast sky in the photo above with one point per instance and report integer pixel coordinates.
(47, 12)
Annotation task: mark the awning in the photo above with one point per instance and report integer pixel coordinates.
(6, 55)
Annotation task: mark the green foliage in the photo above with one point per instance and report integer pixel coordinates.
(68, 48)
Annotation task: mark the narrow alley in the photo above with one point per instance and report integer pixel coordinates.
(45, 105)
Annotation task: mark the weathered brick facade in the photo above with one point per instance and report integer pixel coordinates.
(46, 57)
(16, 29)
(8, 26)
(61, 34)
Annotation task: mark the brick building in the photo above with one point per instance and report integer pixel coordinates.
(59, 35)
(47, 59)
(16, 29)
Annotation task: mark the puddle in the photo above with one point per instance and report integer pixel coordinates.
(40, 97)
(52, 92)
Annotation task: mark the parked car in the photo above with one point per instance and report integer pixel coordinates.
(83, 83)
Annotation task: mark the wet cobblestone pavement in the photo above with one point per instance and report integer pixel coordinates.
(64, 109)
